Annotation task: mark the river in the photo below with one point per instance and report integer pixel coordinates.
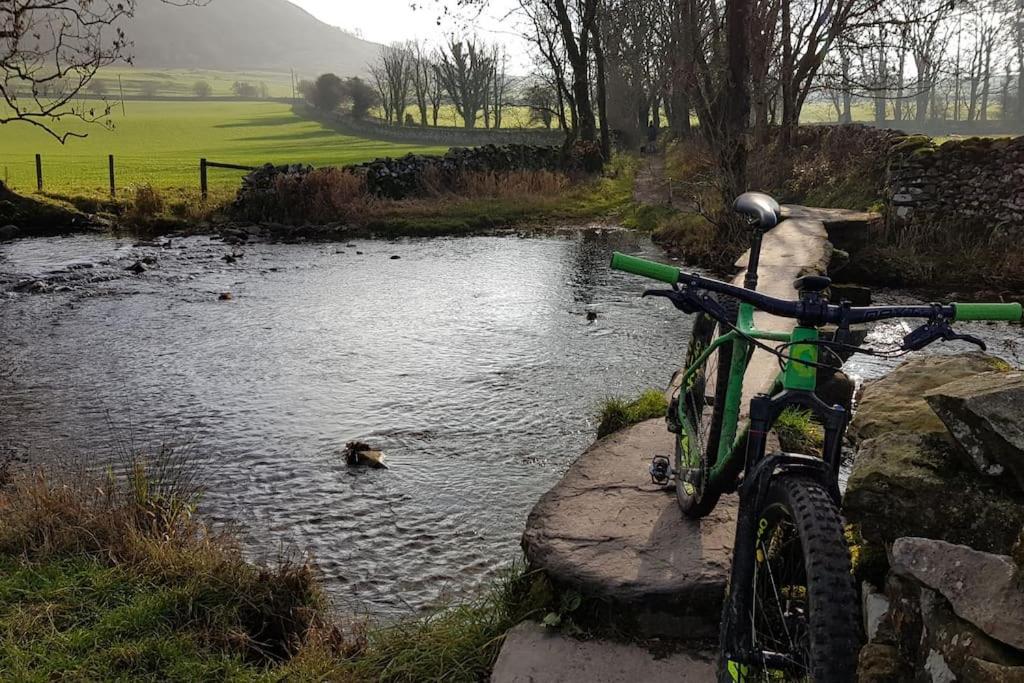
(470, 361)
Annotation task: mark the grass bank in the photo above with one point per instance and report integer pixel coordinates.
(333, 204)
(618, 413)
(116, 578)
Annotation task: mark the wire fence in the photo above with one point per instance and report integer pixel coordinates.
(115, 174)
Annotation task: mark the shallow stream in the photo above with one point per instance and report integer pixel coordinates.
(471, 362)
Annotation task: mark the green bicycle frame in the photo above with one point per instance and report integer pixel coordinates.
(799, 374)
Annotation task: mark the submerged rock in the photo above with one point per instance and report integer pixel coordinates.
(138, 268)
(985, 414)
(226, 296)
(358, 454)
(9, 232)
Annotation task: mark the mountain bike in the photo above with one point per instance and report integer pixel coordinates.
(792, 608)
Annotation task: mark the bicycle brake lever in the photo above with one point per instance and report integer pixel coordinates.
(679, 299)
(934, 331)
(967, 338)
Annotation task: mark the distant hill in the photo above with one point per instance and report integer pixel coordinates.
(272, 35)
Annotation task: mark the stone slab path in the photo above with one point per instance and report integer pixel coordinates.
(533, 654)
(604, 530)
(796, 247)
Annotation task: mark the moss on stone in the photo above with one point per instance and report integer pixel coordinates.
(906, 484)
(912, 143)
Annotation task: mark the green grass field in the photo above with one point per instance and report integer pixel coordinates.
(181, 82)
(160, 143)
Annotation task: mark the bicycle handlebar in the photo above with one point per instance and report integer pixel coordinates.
(816, 313)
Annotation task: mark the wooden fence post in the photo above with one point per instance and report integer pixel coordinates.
(203, 186)
(113, 188)
(39, 172)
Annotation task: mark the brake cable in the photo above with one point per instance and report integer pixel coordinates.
(828, 344)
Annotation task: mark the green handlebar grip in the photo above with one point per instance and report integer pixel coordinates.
(651, 269)
(1010, 312)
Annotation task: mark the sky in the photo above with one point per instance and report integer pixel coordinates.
(385, 21)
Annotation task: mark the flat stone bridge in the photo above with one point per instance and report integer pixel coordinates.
(608, 533)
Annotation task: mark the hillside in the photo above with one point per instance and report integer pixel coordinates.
(244, 35)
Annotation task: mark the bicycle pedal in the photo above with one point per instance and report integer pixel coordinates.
(661, 470)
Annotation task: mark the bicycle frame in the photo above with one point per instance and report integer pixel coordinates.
(794, 386)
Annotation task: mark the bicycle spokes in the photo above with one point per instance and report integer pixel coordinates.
(779, 610)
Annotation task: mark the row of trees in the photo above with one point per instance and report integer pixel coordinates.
(469, 74)
(932, 60)
(410, 82)
(99, 87)
(742, 66)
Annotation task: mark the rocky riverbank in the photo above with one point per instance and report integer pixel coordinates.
(22, 216)
(936, 503)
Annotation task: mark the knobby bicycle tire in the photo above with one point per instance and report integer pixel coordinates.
(802, 572)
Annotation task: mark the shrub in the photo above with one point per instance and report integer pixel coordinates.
(202, 89)
(325, 195)
(327, 93)
(618, 413)
(147, 202)
(511, 184)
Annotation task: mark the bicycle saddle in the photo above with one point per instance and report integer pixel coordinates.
(763, 211)
(812, 283)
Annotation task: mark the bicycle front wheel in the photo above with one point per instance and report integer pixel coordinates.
(803, 616)
(702, 399)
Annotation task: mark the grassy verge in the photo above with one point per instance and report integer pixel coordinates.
(115, 578)
(619, 413)
(604, 198)
(331, 208)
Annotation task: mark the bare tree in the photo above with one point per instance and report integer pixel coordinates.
(423, 76)
(500, 84)
(577, 22)
(380, 82)
(50, 50)
(436, 92)
(542, 101)
(550, 60)
(396, 69)
(465, 72)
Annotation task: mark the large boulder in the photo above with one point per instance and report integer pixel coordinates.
(983, 589)
(909, 484)
(896, 402)
(985, 414)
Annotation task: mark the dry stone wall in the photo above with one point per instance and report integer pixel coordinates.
(960, 182)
